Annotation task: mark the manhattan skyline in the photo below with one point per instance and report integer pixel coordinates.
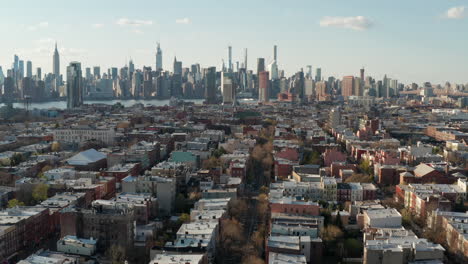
(423, 44)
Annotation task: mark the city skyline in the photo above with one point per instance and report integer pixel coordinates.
(311, 33)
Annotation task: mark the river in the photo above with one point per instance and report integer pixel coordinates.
(126, 103)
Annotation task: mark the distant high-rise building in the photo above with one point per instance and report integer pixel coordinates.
(177, 66)
(321, 91)
(15, 64)
(309, 87)
(297, 86)
(9, 88)
(362, 74)
(114, 73)
(159, 54)
(358, 87)
(318, 75)
(309, 72)
(273, 67)
(39, 73)
(263, 86)
(29, 69)
(385, 86)
(97, 72)
(136, 83)
(21, 69)
(230, 69)
(245, 59)
(347, 86)
(27, 88)
(260, 65)
(275, 53)
(74, 85)
(2, 77)
(228, 89)
(56, 62)
(131, 68)
(88, 73)
(210, 85)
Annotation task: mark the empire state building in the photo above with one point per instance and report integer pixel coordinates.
(56, 62)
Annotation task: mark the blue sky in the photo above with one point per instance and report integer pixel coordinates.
(411, 40)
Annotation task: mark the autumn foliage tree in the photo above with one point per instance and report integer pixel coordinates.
(237, 208)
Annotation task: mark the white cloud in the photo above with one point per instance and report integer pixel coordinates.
(138, 31)
(133, 22)
(97, 25)
(38, 26)
(354, 23)
(184, 20)
(72, 51)
(46, 41)
(455, 12)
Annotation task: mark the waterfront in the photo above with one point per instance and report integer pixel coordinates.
(125, 103)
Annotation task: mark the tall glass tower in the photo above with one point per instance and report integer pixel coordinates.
(74, 85)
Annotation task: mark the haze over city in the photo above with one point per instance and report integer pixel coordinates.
(413, 41)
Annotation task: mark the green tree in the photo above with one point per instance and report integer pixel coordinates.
(16, 159)
(365, 167)
(180, 203)
(219, 152)
(406, 217)
(184, 218)
(14, 202)
(40, 192)
(338, 221)
(353, 247)
(311, 157)
(211, 163)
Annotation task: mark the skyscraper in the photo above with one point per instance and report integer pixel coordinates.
(97, 72)
(177, 66)
(88, 73)
(347, 86)
(16, 64)
(260, 65)
(159, 65)
(56, 62)
(131, 68)
(318, 75)
(74, 85)
(2, 77)
(273, 67)
(38, 73)
(228, 88)
(21, 69)
(210, 85)
(230, 59)
(9, 88)
(245, 59)
(275, 53)
(29, 69)
(263, 84)
(114, 73)
(309, 72)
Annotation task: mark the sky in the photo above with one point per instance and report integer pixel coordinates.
(409, 40)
